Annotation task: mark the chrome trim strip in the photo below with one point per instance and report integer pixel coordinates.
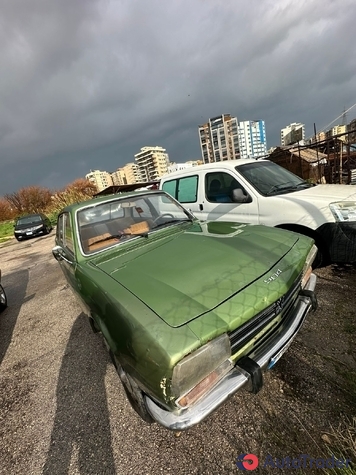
(237, 378)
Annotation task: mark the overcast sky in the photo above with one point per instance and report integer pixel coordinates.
(85, 84)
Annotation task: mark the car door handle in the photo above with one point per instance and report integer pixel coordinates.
(201, 207)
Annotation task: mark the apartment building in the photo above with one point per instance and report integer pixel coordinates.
(127, 174)
(152, 163)
(252, 139)
(219, 139)
(319, 137)
(100, 179)
(351, 128)
(337, 130)
(293, 134)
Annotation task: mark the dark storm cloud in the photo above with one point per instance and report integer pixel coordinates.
(85, 84)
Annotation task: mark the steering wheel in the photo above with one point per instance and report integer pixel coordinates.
(164, 215)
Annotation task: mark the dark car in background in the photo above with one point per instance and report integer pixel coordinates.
(32, 225)
(3, 299)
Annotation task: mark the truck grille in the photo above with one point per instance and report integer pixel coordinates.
(243, 334)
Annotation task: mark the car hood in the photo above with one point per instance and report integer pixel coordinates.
(180, 277)
(330, 193)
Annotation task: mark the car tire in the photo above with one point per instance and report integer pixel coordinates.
(319, 260)
(3, 299)
(133, 392)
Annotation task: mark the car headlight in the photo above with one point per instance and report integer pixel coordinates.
(198, 372)
(344, 210)
(307, 269)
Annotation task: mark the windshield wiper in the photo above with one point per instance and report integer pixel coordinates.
(305, 184)
(171, 221)
(289, 186)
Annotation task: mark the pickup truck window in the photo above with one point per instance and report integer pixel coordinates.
(184, 190)
(219, 186)
(271, 179)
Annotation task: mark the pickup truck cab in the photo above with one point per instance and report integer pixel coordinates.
(262, 192)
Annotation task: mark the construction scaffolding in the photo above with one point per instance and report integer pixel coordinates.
(332, 160)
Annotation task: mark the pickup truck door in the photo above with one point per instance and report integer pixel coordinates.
(215, 199)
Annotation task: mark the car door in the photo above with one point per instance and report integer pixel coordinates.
(64, 238)
(216, 202)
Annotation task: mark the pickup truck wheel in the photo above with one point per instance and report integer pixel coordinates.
(133, 392)
(322, 257)
(319, 260)
(3, 299)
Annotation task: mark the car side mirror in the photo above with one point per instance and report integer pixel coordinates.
(59, 255)
(239, 196)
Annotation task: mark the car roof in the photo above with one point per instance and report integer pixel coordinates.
(107, 198)
(32, 215)
(227, 164)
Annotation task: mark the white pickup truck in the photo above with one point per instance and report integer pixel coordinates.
(262, 192)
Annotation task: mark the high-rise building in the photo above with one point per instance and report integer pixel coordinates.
(293, 134)
(351, 128)
(252, 139)
(152, 163)
(100, 179)
(337, 130)
(319, 137)
(127, 174)
(219, 139)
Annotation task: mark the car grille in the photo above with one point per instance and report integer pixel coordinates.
(243, 334)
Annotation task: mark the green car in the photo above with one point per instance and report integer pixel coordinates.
(191, 311)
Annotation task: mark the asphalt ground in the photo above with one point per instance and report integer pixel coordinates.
(63, 409)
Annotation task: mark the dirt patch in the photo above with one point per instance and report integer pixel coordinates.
(316, 377)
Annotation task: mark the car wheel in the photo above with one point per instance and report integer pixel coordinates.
(133, 392)
(3, 299)
(96, 329)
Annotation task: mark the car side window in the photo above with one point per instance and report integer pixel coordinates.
(60, 227)
(170, 187)
(68, 234)
(65, 232)
(219, 187)
(185, 190)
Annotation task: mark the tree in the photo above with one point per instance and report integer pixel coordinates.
(77, 191)
(6, 212)
(82, 186)
(33, 199)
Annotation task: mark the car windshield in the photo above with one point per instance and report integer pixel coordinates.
(29, 220)
(271, 179)
(119, 220)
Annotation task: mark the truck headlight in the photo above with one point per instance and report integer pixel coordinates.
(344, 210)
(198, 372)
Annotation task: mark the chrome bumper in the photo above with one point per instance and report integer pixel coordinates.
(264, 356)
